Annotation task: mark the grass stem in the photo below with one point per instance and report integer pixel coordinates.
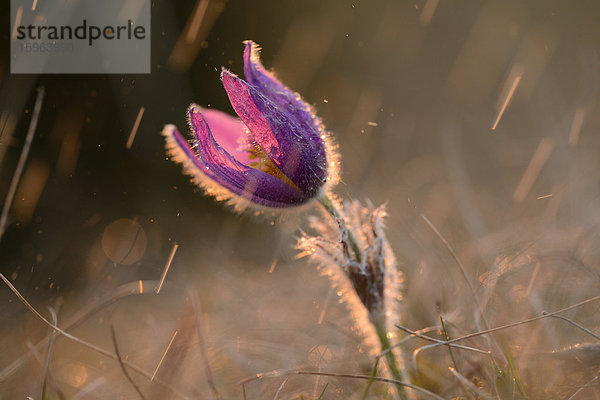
(371, 379)
(446, 337)
(390, 358)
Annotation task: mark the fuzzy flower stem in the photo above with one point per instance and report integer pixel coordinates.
(332, 210)
(378, 322)
(390, 357)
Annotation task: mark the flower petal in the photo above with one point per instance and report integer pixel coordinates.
(257, 76)
(229, 132)
(294, 146)
(221, 174)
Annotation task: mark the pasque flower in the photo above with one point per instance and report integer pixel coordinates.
(369, 278)
(277, 154)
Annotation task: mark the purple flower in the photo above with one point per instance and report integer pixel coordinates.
(277, 154)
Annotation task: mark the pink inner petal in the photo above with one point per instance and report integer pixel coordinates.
(229, 133)
(244, 105)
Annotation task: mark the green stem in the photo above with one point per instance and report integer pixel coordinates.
(330, 207)
(390, 358)
(371, 379)
(447, 337)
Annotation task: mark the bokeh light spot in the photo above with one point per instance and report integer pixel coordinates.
(124, 241)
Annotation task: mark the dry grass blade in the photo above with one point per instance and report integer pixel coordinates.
(376, 378)
(429, 346)
(90, 346)
(511, 325)
(22, 160)
(200, 331)
(38, 357)
(280, 389)
(469, 385)
(438, 341)
(575, 324)
(49, 353)
(271, 374)
(453, 255)
(417, 333)
(588, 384)
(457, 262)
(275, 374)
(323, 392)
(119, 293)
(114, 339)
(479, 317)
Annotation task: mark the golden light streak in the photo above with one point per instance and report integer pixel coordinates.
(428, 11)
(12, 189)
(141, 287)
(131, 10)
(576, 126)
(544, 197)
(29, 191)
(533, 277)
(163, 356)
(196, 22)
(325, 306)
(193, 36)
(517, 72)
(273, 264)
(70, 145)
(164, 274)
(8, 122)
(34, 5)
(18, 17)
(533, 170)
(134, 130)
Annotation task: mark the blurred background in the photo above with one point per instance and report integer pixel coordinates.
(480, 115)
